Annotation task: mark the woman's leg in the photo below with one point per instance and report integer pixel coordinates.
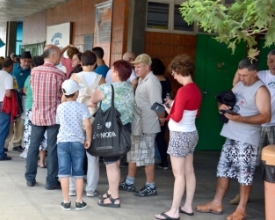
(190, 181)
(178, 164)
(113, 175)
(42, 156)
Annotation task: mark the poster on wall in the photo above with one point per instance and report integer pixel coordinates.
(103, 28)
(59, 35)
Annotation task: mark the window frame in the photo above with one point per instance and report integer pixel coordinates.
(171, 14)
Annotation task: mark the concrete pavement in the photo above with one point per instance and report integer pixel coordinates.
(19, 202)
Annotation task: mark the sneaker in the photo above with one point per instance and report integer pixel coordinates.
(72, 193)
(80, 205)
(24, 154)
(91, 193)
(66, 206)
(18, 148)
(163, 166)
(5, 158)
(146, 191)
(124, 186)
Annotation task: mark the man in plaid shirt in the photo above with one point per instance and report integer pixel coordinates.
(46, 81)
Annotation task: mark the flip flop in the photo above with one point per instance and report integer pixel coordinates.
(167, 217)
(186, 213)
(42, 167)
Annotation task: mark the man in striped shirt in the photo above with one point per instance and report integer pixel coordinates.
(46, 81)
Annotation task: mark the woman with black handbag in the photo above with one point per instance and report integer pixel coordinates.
(123, 101)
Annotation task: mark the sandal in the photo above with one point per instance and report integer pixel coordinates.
(237, 215)
(110, 205)
(209, 208)
(167, 217)
(104, 196)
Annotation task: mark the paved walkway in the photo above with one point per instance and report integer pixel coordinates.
(19, 202)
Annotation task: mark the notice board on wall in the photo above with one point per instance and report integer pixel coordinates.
(88, 42)
(103, 28)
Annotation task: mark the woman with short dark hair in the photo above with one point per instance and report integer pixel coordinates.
(158, 70)
(90, 80)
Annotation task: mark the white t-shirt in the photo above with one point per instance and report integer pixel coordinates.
(70, 116)
(108, 77)
(89, 78)
(5, 83)
(269, 81)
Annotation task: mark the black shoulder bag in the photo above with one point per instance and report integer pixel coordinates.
(110, 137)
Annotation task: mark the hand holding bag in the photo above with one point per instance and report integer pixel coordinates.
(109, 136)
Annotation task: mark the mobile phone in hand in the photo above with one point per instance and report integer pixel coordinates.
(229, 112)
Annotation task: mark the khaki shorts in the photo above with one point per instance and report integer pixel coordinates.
(143, 150)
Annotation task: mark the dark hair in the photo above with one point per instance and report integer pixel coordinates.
(37, 61)
(124, 69)
(157, 67)
(79, 55)
(183, 65)
(7, 62)
(88, 58)
(77, 69)
(99, 52)
(272, 52)
(70, 96)
(72, 51)
(246, 63)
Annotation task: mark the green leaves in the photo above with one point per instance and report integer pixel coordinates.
(243, 20)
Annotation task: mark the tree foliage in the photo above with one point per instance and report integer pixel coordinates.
(242, 21)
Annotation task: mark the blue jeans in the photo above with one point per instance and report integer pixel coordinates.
(37, 135)
(4, 130)
(71, 159)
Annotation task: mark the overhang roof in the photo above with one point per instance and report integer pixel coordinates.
(16, 10)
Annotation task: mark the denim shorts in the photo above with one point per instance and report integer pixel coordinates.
(71, 159)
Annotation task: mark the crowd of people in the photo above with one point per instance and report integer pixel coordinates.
(58, 112)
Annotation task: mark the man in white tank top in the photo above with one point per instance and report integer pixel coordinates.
(239, 153)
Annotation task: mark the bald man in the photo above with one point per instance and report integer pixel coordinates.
(46, 81)
(128, 56)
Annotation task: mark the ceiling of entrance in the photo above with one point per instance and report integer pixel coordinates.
(16, 10)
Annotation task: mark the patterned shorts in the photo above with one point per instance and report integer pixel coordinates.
(27, 132)
(143, 150)
(182, 144)
(238, 160)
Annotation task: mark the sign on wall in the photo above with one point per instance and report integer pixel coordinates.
(59, 35)
(103, 28)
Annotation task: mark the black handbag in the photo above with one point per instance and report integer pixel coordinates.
(110, 137)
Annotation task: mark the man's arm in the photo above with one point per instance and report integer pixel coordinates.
(263, 104)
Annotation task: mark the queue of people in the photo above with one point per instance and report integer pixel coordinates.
(60, 110)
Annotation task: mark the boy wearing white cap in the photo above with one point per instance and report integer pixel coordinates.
(71, 141)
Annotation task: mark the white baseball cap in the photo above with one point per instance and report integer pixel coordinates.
(70, 87)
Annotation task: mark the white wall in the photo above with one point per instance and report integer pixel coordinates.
(3, 29)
